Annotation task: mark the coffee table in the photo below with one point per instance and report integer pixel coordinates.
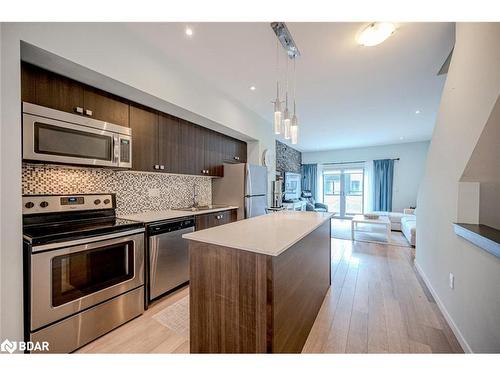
(381, 221)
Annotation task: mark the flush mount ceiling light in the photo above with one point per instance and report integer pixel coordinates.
(375, 33)
(417, 112)
(189, 31)
(252, 88)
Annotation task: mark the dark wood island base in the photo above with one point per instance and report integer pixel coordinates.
(246, 302)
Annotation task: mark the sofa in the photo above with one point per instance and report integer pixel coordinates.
(409, 228)
(311, 204)
(405, 222)
(394, 218)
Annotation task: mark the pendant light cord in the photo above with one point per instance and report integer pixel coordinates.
(286, 104)
(294, 85)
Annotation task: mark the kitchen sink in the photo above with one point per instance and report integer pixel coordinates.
(201, 208)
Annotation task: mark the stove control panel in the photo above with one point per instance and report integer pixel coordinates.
(35, 204)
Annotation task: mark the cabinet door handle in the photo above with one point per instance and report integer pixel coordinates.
(88, 112)
(162, 167)
(79, 110)
(157, 166)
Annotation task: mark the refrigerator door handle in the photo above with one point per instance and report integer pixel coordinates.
(248, 207)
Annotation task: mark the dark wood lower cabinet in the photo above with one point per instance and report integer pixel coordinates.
(214, 219)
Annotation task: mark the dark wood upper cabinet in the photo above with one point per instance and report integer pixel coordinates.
(161, 142)
(105, 107)
(169, 143)
(39, 86)
(235, 151)
(144, 125)
(214, 147)
(242, 152)
(191, 153)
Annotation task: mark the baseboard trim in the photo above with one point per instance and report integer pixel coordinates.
(461, 340)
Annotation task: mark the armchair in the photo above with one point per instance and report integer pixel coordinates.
(311, 204)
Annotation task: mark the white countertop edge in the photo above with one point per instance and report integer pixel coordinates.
(153, 216)
(257, 250)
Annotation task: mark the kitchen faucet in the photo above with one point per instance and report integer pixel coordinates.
(195, 204)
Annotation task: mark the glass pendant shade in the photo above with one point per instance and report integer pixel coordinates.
(286, 125)
(277, 118)
(294, 129)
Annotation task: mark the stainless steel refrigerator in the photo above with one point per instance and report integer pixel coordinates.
(243, 185)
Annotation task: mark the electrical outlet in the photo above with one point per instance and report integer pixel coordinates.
(452, 281)
(154, 193)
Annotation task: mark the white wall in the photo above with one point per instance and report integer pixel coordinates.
(471, 90)
(408, 171)
(114, 51)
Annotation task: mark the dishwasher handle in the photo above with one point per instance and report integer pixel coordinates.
(170, 226)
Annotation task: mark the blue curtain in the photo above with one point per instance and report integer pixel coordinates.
(309, 178)
(383, 173)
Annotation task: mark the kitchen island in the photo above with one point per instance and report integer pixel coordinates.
(256, 285)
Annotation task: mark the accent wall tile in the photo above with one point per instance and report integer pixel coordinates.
(131, 188)
(288, 159)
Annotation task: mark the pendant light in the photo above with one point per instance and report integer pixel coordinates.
(294, 126)
(286, 118)
(277, 102)
(284, 123)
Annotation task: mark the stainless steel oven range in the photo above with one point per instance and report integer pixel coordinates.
(83, 269)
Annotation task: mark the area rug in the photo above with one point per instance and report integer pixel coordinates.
(175, 317)
(341, 228)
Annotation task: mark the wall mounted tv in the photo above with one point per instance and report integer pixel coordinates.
(292, 186)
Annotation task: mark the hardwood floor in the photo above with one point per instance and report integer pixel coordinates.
(377, 304)
(143, 334)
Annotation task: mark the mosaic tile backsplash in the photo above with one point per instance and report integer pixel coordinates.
(131, 188)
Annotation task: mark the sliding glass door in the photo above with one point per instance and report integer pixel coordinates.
(343, 191)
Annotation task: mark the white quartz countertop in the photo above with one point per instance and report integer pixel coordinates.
(152, 216)
(269, 234)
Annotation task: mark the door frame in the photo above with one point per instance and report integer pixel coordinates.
(342, 203)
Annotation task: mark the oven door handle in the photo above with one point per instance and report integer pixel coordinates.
(84, 241)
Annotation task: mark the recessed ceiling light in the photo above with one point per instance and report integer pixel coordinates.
(417, 112)
(253, 88)
(375, 33)
(189, 31)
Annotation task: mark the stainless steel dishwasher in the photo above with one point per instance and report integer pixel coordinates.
(168, 255)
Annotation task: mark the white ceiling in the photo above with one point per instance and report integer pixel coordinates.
(347, 95)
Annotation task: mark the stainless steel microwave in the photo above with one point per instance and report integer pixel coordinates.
(53, 136)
